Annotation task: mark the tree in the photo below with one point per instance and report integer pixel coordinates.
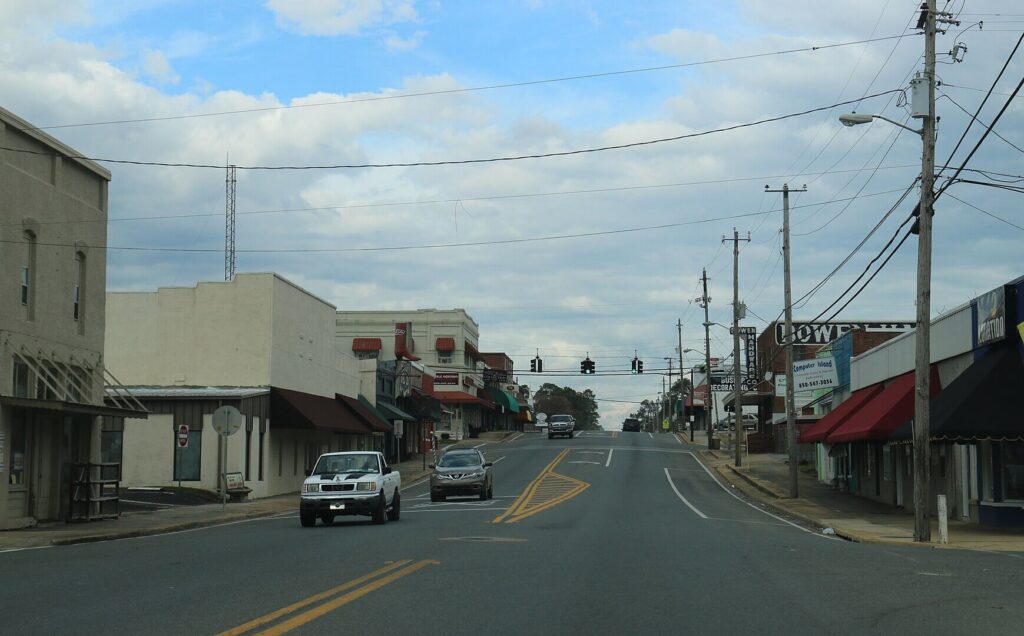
(552, 399)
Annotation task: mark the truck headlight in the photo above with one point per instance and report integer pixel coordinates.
(310, 487)
(367, 485)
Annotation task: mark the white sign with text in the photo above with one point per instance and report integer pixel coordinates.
(811, 375)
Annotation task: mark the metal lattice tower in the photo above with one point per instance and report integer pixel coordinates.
(229, 223)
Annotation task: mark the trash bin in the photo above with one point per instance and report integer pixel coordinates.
(716, 443)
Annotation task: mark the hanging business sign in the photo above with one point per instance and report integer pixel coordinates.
(442, 378)
(991, 309)
(494, 376)
(820, 333)
(811, 375)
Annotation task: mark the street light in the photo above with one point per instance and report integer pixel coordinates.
(854, 119)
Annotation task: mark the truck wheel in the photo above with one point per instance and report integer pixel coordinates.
(307, 519)
(396, 508)
(380, 512)
(550, 436)
(327, 518)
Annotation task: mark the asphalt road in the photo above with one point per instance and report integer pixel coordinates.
(601, 534)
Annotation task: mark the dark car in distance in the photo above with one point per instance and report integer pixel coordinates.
(631, 424)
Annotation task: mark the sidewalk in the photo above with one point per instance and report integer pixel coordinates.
(149, 522)
(766, 478)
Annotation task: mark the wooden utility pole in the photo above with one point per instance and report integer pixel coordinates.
(682, 386)
(922, 372)
(704, 300)
(791, 440)
(737, 388)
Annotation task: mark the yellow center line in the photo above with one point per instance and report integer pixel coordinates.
(531, 488)
(317, 612)
(276, 614)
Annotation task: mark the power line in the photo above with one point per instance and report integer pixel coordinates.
(998, 218)
(394, 248)
(452, 91)
(975, 118)
(452, 162)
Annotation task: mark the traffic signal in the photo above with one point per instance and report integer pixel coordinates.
(537, 365)
(639, 366)
(587, 366)
(533, 365)
(634, 364)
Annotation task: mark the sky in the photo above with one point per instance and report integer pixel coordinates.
(314, 83)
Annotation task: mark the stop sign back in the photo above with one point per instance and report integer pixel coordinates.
(183, 436)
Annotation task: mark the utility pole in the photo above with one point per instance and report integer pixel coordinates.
(790, 398)
(664, 403)
(922, 369)
(737, 404)
(682, 386)
(230, 182)
(671, 400)
(704, 300)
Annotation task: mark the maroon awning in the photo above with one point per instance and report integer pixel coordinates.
(884, 414)
(818, 431)
(445, 344)
(295, 409)
(365, 344)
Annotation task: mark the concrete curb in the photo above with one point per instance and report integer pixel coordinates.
(165, 529)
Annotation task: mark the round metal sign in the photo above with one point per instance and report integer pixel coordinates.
(542, 417)
(227, 420)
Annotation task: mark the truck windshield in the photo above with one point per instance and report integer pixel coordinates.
(353, 463)
(560, 418)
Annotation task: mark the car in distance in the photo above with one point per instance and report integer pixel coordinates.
(461, 471)
(561, 425)
(351, 483)
(631, 424)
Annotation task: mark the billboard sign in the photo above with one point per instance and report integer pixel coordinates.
(442, 378)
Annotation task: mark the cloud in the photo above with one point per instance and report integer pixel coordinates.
(155, 65)
(339, 17)
(398, 44)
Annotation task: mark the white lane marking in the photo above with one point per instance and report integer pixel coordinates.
(609, 462)
(479, 445)
(737, 497)
(454, 510)
(586, 462)
(578, 434)
(680, 495)
(514, 437)
(498, 460)
(678, 439)
(651, 435)
(590, 452)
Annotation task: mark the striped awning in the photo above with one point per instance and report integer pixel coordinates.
(445, 344)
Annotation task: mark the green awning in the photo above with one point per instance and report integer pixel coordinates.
(392, 412)
(374, 413)
(503, 399)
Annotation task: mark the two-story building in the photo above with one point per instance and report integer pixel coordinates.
(445, 340)
(53, 229)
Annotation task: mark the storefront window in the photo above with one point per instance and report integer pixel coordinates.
(1013, 470)
(17, 475)
(110, 440)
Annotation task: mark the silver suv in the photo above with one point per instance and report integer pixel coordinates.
(561, 425)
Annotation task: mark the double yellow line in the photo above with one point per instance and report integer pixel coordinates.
(392, 572)
(547, 490)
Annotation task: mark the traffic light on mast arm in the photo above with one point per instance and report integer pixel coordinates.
(634, 364)
(639, 366)
(537, 365)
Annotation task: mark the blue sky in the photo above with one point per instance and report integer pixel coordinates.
(73, 61)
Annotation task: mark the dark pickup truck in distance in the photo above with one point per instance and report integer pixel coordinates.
(631, 424)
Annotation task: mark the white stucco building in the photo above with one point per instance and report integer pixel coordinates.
(259, 343)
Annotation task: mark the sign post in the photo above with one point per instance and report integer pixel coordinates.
(226, 421)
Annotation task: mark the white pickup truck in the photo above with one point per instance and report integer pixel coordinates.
(350, 483)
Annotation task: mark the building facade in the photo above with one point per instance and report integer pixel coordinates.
(53, 216)
(259, 343)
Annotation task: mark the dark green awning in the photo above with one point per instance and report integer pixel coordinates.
(392, 412)
(503, 399)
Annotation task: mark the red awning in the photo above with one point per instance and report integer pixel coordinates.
(365, 344)
(818, 431)
(445, 344)
(459, 397)
(884, 414)
(472, 350)
(294, 409)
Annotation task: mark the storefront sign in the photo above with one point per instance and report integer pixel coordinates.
(811, 375)
(991, 316)
(800, 398)
(723, 383)
(819, 333)
(446, 379)
(494, 376)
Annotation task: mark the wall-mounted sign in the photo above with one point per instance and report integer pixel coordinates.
(724, 383)
(991, 316)
(494, 376)
(811, 375)
(819, 333)
(446, 378)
